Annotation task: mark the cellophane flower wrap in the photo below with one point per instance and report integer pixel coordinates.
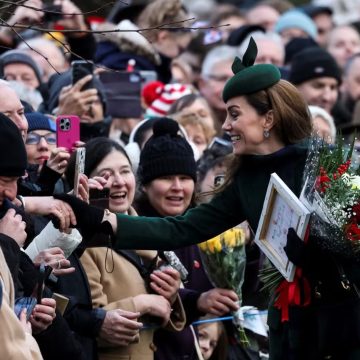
(224, 260)
(332, 191)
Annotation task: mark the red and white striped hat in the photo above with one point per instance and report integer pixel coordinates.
(167, 95)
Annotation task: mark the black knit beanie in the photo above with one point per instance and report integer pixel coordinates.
(312, 63)
(166, 153)
(13, 159)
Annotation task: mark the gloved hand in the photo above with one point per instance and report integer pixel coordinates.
(89, 218)
(295, 248)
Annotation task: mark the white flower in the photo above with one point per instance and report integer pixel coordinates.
(355, 182)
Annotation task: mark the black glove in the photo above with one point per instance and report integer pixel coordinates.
(295, 248)
(89, 218)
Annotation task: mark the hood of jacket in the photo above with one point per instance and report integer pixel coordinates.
(130, 42)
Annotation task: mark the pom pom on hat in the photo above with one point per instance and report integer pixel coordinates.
(167, 96)
(152, 91)
(162, 128)
(166, 153)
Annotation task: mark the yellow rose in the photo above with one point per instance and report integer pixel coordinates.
(211, 245)
(240, 236)
(229, 238)
(217, 244)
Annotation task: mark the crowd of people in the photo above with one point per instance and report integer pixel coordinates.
(188, 108)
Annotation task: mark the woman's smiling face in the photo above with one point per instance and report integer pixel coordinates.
(170, 195)
(121, 180)
(245, 127)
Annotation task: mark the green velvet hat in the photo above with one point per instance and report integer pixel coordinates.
(249, 78)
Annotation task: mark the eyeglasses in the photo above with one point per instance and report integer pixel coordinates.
(34, 139)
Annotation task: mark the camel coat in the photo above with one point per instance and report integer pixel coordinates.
(116, 290)
(15, 343)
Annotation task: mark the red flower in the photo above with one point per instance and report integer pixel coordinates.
(353, 232)
(356, 212)
(322, 180)
(342, 169)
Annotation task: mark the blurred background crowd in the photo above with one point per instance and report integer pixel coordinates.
(141, 63)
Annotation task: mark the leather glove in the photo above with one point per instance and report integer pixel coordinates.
(89, 218)
(295, 248)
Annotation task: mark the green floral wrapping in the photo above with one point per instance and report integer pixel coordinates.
(224, 259)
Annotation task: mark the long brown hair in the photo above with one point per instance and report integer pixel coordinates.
(292, 119)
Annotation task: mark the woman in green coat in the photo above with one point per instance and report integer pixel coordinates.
(267, 120)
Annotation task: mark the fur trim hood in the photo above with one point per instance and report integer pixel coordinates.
(128, 41)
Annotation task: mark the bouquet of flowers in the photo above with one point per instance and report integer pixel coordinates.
(332, 192)
(224, 260)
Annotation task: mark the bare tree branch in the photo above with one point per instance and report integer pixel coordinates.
(27, 44)
(69, 51)
(116, 30)
(15, 3)
(18, 26)
(58, 12)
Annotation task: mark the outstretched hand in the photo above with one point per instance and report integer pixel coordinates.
(89, 218)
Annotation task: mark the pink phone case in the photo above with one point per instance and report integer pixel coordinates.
(67, 131)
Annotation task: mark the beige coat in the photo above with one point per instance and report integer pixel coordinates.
(116, 290)
(15, 343)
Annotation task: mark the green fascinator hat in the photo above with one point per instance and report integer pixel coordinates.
(249, 78)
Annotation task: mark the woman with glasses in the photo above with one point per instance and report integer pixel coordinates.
(41, 149)
(40, 139)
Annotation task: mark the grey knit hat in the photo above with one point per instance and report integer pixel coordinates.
(16, 56)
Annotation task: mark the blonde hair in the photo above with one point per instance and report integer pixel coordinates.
(162, 12)
(184, 118)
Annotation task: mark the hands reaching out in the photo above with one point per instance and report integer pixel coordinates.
(55, 258)
(218, 301)
(166, 282)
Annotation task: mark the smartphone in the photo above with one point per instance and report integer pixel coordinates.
(79, 168)
(123, 93)
(44, 273)
(67, 131)
(25, 302)
(99, 198)
(80, 69)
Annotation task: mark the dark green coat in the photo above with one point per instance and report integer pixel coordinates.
(243, 200)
